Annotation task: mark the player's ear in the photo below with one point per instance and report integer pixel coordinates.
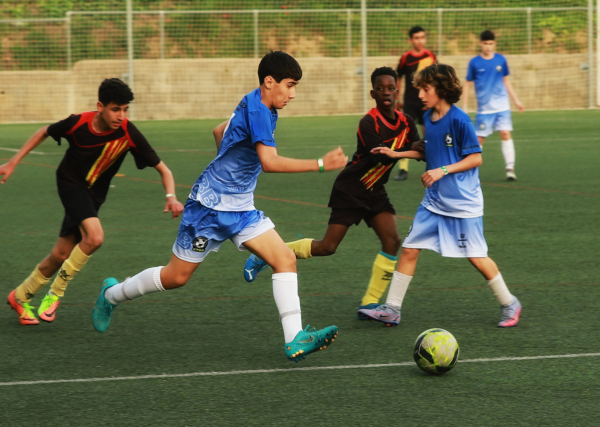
(269, 80)
(99, 106)
(372, 94)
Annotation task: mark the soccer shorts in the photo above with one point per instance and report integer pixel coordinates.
(415, 112)
(202, 230)
(486, 124)
(354, 215)
(79, 205)
(451, 237)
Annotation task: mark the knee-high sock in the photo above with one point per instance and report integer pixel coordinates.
(68, 270)
(146, 282)
(508, 151)
(30, 286)
(398, 289)
(285, 292)
(301, 248)
(403, 164)
(500, 290)
(383, 268)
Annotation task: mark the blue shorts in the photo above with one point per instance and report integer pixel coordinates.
(486, 124)
(202, 230)
(451, 237)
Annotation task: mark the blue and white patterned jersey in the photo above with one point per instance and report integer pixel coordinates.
(488, 75)
(228, 182)
(448, 141)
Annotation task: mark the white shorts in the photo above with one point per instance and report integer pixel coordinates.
(486, 124)
(451, 237)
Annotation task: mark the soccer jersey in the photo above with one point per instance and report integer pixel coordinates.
(228, 182)
(488, 75)
(93, 158)
(362, 181)
(448, 141)
(411, 63)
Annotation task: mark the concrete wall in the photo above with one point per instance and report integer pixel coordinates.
(211, 88)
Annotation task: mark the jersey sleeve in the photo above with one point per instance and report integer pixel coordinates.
(259, 126)
(143, 153)
(369, 138)
(414, 140)
(59, 129)
(470, 72)
(400, 67)
(466, 137)
(505, 70)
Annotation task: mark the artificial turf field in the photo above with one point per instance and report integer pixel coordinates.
(212, 352)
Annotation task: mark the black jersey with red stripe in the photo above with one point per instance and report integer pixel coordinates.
(93, 158)
(411, 63)
(364, 176)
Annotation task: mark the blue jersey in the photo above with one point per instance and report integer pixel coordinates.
(448, 141)
(488, 75)
(228, 182)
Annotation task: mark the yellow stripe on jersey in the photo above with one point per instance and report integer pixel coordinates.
(112, 151)
(376, 172)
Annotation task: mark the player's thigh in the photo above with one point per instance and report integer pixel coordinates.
(424, 231)
(484, 124)
(503, 121)
(462, 238)
(271, 248)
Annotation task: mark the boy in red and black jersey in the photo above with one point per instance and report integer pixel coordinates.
(358, 193)
(98, 142)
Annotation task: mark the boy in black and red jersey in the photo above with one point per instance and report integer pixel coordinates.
(98, 142)
(358, 193)
(410, 63)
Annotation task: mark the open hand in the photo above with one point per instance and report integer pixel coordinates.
(432, 176)
(6, 169)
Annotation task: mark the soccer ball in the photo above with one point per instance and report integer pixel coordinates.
(436, 351)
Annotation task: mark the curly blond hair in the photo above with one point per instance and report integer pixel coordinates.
(443, 78)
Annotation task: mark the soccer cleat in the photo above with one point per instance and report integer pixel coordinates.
(308, 341)
(103, 309)
(254, 265)
(510, 314)
(510, 175)
(24, 310)
(402, 175)
(47, 309)
(366, 307)
(388, 314)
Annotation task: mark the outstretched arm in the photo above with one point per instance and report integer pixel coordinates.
(219, 131)
(36, 139)
(410, 154)
(273, 162)
(471, 161)
(168, 182)
(513, 94)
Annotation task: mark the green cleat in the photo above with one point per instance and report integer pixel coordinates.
(47, 309)
(103, 309)
(309, 341)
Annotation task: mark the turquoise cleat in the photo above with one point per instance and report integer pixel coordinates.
(308, 341)
(103, 309)
(253, 266)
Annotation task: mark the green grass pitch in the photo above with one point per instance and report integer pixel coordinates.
(542, 231)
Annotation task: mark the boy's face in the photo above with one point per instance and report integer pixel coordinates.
(384, 93)
(112, 114)
(488, 46)
(282, 92)
(418, 40)
(429, 96)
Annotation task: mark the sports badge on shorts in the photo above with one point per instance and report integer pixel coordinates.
(448, 140)
(199, 244)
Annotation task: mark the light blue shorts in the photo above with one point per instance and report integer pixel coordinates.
(451, 237)
(486, 124)
(202, 230)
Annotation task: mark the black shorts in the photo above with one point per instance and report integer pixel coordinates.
(79, 205)
(349, 216)
(415, 112)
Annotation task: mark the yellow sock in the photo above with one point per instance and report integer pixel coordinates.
(403, 164)
(301, 248)
(68, 270)
(36, 281)
(383, 269)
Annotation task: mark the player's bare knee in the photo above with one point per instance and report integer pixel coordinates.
(58, 256)
(286, 261)
(326, 249)
(410, 254)
(391, 244)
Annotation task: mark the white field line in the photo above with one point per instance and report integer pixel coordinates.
(14, 150)
(288, 370)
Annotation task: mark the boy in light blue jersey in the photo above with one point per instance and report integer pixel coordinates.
(221, 206)
(450, 218)
(489, 71)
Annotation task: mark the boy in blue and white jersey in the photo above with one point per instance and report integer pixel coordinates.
(221, 207)
(450, 218)
(489, 71)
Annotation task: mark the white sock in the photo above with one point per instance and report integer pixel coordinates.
(508, 151)
(398, 289)
(500, 290)
(146, 282)
(285, 292)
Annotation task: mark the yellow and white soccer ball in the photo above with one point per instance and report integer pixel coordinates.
(436, 351)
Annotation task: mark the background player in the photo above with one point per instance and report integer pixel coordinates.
(450, 218)
(98, 142)
(490, 73)
(221, 207)
(410, 63)
(358, 192)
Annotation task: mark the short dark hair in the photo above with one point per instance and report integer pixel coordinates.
(487, 35)
(414, 30)
(443, 78)
(279, 65)
(114, 90)
(383, 71)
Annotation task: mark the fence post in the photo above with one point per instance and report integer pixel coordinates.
(161, 24)
(69, 57)
(349, 31)
(130, 79)
(598, 54)
(256, 33)
(591, 52)
(363, 26)
(529, 31)
(439, 16)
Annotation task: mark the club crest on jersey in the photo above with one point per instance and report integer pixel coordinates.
(448, 140)
(199, 244)
(498, 68)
